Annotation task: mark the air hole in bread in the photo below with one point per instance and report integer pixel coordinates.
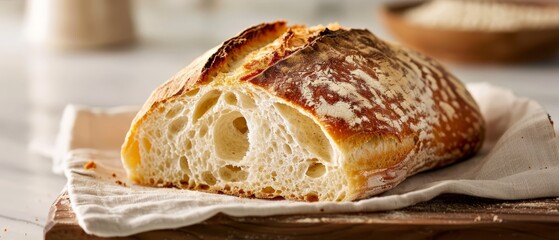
(203, 130)
(268, 190)
(230, 98)
(287, 149)
(240, 124)
(174, 111)
(311, 197)
(340, 197)
(185, 179)
(146, 144)
(231, 136)
(161, 167)
(177, 125)
(205, 104)
(316, 169)
(209, 178)
(188, 144)
(246, 101)
(232, 173)
(306, 132)
(192, 92)
(183, 163)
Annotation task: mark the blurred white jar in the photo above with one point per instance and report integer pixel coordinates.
(78, 24)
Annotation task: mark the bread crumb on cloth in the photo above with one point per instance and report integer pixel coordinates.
(90, 165)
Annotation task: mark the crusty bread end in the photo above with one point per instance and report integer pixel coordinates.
(313, 114)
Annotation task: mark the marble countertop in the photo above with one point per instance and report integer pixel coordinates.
(36, 84)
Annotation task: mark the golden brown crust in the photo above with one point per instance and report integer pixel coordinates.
(378, 114)
(391, 96)
(328, 55)
(289, 78)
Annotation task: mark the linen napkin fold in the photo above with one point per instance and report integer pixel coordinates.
(519, 160)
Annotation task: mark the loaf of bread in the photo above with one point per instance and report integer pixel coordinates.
(313, 114)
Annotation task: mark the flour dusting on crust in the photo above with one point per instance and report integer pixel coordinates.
(357, 85)
(340, 113)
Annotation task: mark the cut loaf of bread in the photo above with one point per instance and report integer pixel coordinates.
(314, 114)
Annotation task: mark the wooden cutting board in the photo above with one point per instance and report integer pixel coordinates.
(446, 217)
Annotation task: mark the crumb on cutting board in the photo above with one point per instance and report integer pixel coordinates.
(90, 165)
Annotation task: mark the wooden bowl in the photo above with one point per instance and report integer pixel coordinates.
(471, 46)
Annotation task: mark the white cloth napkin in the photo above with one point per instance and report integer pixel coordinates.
(91, 128)
(519, 160)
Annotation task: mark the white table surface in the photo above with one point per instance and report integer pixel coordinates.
(36, 84)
